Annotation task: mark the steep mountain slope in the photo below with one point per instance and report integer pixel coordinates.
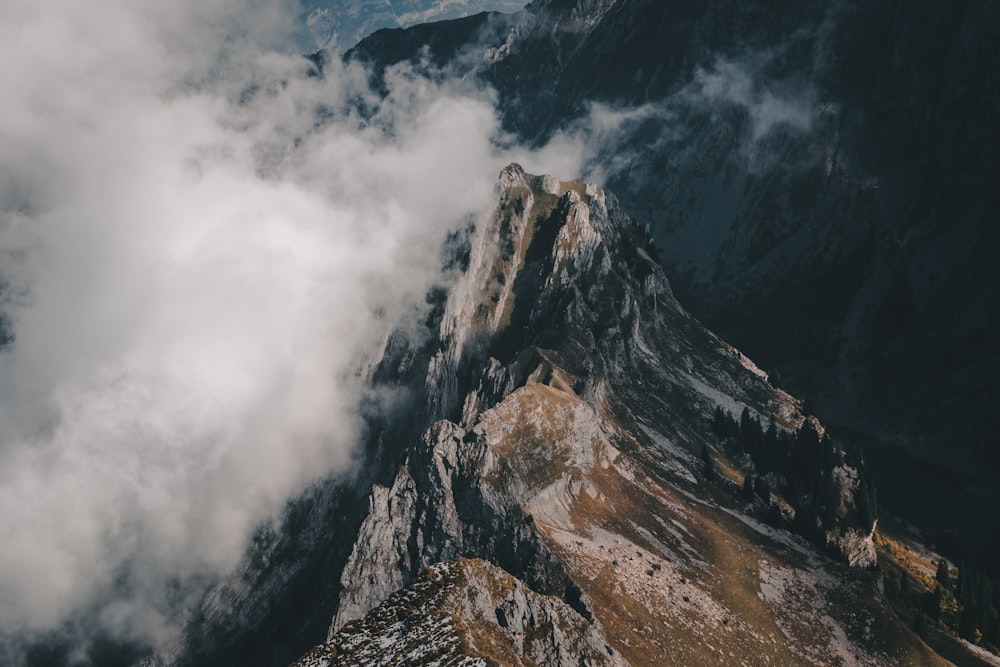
(819, 179)
(466, 612)
(572, 446)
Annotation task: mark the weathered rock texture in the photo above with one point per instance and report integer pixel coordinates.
(819, 178)
(466, 612)
(572, 399)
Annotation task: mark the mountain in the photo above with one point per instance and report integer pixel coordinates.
(561, 463)
(346, 22)
(818, 178)
(493, 616)
(569, 502)
(563, 466)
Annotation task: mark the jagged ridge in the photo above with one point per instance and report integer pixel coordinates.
(850, 248)
(573, 397)
(466, 612)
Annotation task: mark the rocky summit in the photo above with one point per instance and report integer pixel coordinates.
(819, 178)
(574, 498)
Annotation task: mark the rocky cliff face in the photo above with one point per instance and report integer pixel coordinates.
(818, 178)
(573, 449)
(466, 612)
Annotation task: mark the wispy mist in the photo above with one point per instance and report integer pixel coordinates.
(728, 111)
(768, 106)
(198, 242)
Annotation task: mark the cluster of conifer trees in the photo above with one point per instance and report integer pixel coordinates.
(965, 604)
(979, 598)
(803, 466)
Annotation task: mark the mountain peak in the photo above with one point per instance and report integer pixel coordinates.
(569, 443)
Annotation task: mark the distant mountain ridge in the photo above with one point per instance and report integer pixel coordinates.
(818, 178)
(345, 22)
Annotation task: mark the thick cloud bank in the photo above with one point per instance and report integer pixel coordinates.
(198, 242)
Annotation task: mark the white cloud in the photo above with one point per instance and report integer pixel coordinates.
(739, 83)
(685, 129)
(193, 268)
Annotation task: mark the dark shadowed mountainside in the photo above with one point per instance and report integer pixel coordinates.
(820, 179)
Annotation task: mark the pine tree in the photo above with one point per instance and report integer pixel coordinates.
(774, 516)
(719, 419)
(967, 623)
(963, 591)
(706, 459)
(942, 574)
(751, 434)
(806, 458)
(764, 490)
(987, 613)
(770, 454)
(933, 603)
(864, 502)
(748, 489)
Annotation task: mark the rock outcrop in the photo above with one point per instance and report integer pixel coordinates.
(818, 177)
(466, 612)
(571, 399)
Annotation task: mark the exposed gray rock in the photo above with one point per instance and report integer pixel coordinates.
(819, 178)
(461, 613)
(560, 349)
(380, 562)
(444, 504)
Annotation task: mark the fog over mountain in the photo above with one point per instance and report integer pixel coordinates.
(818, 178)
(283, 360)
(193, 270)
